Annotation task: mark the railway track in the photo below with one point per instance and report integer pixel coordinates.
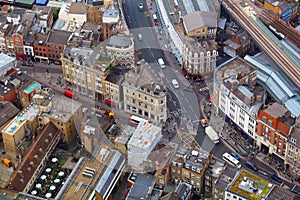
(290, 34)
(277, 54)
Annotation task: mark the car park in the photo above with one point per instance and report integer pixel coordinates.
(235, 155)
(175, 83)
(276, 178)
(251, 166)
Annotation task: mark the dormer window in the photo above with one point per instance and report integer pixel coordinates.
(293, 140)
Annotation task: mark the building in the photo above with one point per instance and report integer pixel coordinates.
(63, 112)
(18, 133)
(189, 166)
(110, 19)
(20, 33)
(7, 63)
(26, 92)
(33, 162)
(56, 42)
(212, 174)
(141, 143)
(74, 12)
(143, 188)
(292, 153)
(282, 193)
(198, 58)
(101, 175)
(274, 123)
(143, 96)
(7, 112)
(85, 70)
(201, 24)
(182, 192)
(286, 10)
(113, 87)
(238, 45)
(236, 67)
(220, 185)
(246, 185)
(7, 91)
(121, 48)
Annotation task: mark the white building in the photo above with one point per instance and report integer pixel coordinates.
(6, 63)
(110, 16)
(240, 104)
(142, 142)
(74, 12)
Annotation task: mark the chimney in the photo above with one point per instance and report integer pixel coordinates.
(175, 194)
(137, 68)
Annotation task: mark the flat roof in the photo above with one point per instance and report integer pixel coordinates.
(28, 113)
(145, 134)
(7, 111)
(5, 60)
(119, 41)
(62, 108)
(245, 181)
(31, 87)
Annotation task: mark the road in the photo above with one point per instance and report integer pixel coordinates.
(183, 101)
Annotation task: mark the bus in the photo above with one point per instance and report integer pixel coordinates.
(134, 120)
(154, 17)
(231, 160)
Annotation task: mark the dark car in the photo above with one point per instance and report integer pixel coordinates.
(235, 155)
(296, 191)
(276, 178)
(251, 166)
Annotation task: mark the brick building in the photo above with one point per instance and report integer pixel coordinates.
(273, 129)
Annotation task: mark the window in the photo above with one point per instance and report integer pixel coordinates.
(264, 119)
(270, 122)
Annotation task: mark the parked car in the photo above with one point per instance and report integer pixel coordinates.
(251, 166)
(276, 178)
(235, 155)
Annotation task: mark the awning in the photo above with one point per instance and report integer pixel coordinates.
(109, 102)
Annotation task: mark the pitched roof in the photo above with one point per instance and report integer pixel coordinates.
(199, 19)
(7, 111)
(34, 157)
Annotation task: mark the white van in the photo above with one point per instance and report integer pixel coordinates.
(161, 63)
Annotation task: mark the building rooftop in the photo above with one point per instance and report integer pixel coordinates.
(31, 161)
(199, 19)
(5, 88)
(28, 113)
(4, 61)
(279, 193)
(250, 186)
(92, 57)
(77, 8)
(143, 136)
(216, 167)
(195, 159)
(58, 37)
(119, 41)
(276, 110)
(110, 16)
(107, 166)
(7, 111)
(295, 135)
(235, 67)
(141, 187)
(226, 177)
(63, 108)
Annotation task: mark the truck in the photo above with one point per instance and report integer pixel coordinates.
(212, 134)
(70, 94)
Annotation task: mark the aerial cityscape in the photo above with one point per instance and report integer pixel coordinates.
(149, 99)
